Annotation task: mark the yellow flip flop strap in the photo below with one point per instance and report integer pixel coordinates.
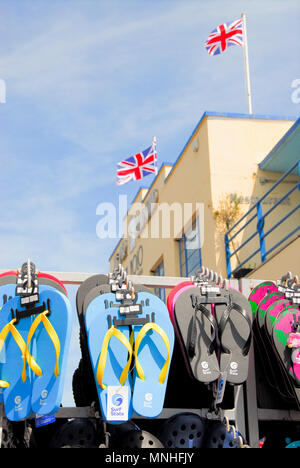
(144, 330)
(52, 335)
(103, 355)
(25, 353)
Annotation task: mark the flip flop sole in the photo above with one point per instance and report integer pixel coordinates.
(234, 338)
(282, 329)
(96, 322)
(17, 397)
(275, 365)
(259, 292)
(89, 381)
(53, 281)
(264, 304)
(149, 394)
(84, 288)
(203, 366)
(47, 390)
(173, 292)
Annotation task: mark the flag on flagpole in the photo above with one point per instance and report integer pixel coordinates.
(138, 166)
(229, 34)
(225, 35)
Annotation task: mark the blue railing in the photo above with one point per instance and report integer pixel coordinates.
(260, 225)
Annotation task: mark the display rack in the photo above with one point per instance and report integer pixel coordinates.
(246, 416)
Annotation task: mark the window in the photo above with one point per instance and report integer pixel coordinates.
(160, 271)
(190, 251)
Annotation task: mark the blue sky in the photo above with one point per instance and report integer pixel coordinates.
(90, 82)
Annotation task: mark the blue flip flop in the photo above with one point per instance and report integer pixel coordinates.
(49, 340)
(154, 344)
(15, 375)
(7, 292)
(109, 348)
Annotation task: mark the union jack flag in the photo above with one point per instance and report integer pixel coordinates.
(227, 34)
(138, 166)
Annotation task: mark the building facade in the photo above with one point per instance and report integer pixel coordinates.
(186, 219)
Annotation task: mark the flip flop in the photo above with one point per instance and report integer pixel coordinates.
(84, 288)
(273, 311)
(174, 290)
(8, 278)
(15, 375)
(259, 292)
(175, 297)
(196, 330)
(49, 280)
(49, 337)
(109, 348)
(235, 335)
(271, 304)
(7, 292)
(286, 339)
(44, 279)
(87, 372)
(9, 273)
(265, 303)
(153, 350)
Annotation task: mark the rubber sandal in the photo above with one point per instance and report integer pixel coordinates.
(15, 375)
(153, 350)
(235, 336)
(196, 330)
(173, 292)
(49, 337)
(286, 339)
(175, 297)
(109, 348)
(84, 288)
(8, 273)
(89, 386)
(259, 292)
(264, 304)
(268, 307)
(49, 280)
(44, 279)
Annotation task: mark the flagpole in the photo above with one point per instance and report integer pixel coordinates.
(154, 146)
(246, 61)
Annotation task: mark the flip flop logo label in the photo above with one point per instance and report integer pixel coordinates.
(234, 368)
(44, 394)
(148, 400)
(18, 403)
(117, 399)
(205, 368)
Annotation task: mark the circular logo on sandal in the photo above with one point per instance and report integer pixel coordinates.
(117, 399)
(18, 400)
(148, 397)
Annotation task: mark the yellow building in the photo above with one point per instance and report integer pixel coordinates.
(227, 167)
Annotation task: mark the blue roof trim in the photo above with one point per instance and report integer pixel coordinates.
(226, 114)
(280, 143)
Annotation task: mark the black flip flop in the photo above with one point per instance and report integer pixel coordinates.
(235, 336)
(196, 329)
